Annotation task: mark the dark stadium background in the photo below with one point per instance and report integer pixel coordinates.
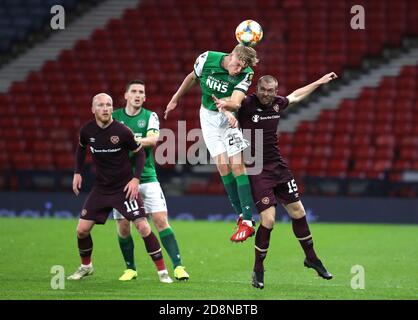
(353, 145)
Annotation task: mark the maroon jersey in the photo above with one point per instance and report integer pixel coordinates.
(253, 115)
(109, 148)
(275, 183)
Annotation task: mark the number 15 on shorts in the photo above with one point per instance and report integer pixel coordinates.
(292, 186)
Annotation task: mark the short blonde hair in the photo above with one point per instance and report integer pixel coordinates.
(102, 94)
(246, 54)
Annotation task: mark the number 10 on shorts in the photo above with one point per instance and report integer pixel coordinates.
(292, 186)
(131, 205)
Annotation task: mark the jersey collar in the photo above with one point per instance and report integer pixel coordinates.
(140, 111)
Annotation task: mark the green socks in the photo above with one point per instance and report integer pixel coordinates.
(239, 194)
(127, 248)
(245, 196)
(169, 242)
(231, 189)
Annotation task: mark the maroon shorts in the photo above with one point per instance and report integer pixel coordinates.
(274, 184)
(97, 207)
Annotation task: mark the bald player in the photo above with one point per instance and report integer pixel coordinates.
(276, 182)
(116, 187)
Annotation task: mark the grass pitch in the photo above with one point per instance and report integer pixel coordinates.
(219, 269)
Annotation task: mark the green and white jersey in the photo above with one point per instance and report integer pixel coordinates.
(144, 122)
(214, 79)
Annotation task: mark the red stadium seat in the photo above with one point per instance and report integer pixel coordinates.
(322, 139)
(408, 153)
(301, 151)
(298, 165)
(341, 140)
(340, 152)
(365, 152)
(22, 161)
(317, 166)
(301, 138)
(43, 161)
(384, 153)
(337, 167)
(381, 165)
(360, 141)
(64, 162)
(5, 163)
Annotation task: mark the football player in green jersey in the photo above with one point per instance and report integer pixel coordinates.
(227, 77)
(145, 126)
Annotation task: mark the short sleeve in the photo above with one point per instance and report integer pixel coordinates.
(245, 83)
(153, 122)
(200, 62)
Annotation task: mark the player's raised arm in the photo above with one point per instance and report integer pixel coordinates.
(189, 82)
(80, 156)
(305, 91)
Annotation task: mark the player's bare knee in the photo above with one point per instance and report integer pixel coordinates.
(82, 233)
(160, 222)
(223, 168)
(268, 217)
(238, 169)
(143, 227)
(298, 212)
(267, 221)
(124, 228)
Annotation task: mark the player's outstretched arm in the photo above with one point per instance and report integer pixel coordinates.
(302, 93)
(187, 84)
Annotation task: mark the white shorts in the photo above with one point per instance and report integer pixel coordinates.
(219, 136)
(153, 197)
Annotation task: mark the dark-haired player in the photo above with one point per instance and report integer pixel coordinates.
(146, 127)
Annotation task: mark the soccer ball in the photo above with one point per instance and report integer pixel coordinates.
(249, 33)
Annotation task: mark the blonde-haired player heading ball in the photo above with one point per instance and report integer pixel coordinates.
(224, 76)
